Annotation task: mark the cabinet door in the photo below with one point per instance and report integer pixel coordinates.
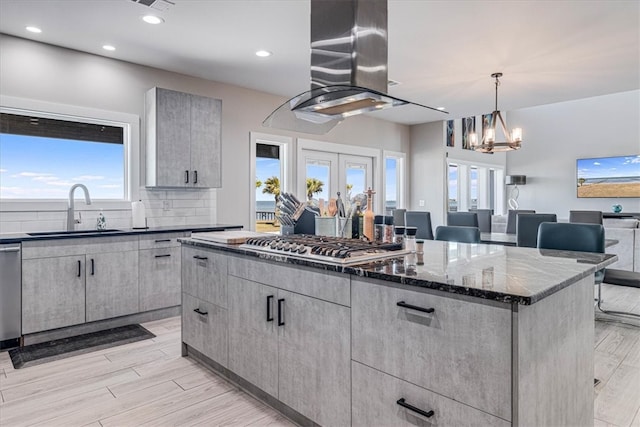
(253, 339)
(314, 374)
(173, 120)
(53, 293)
(112, 284)
(205, 328)
(159, 278)
(205, 141)
(204, 275)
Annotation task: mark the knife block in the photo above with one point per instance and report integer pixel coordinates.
(306, 224)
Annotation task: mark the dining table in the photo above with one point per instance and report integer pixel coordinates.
(508, 239)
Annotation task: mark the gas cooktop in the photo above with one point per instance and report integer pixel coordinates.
(323, 249)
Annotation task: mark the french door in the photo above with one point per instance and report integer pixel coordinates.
(330, 173)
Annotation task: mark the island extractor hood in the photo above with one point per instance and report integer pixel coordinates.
(348, 68)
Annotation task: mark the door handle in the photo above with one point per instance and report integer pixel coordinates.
(200, 312)
(163, 240)
(186, 177)
(281, 312)
(163, 256)
(415, 307)
(203, 258)
(93, 267)
(269, 303)
(79, 268)
(404, 404)
(195, 177)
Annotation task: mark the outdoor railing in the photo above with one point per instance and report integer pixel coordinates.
(265, 216)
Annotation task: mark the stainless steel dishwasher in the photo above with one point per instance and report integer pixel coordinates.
(10, 295)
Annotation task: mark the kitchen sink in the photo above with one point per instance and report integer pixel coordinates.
(64, 233)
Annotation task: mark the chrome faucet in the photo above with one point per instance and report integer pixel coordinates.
(71, 220)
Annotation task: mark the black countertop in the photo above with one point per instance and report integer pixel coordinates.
(494, 272)
(9, 238)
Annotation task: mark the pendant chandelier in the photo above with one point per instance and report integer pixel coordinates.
(488, 143)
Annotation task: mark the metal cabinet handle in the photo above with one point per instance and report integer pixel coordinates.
(404, 404)
(195, 177)
(186, 177)
(79, 268)
(281, 312)
(93, 267)
(201, 313)
(415, 307)
(163, 256)
(269, 304)
(162, 240)
(200, 257)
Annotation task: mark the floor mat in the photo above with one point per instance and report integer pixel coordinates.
(36, 354)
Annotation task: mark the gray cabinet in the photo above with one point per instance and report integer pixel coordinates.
(111, 284)
(294, 347)
(205, 328)
(53, 293)
(204, 275)
(159, 281)
(183, 139)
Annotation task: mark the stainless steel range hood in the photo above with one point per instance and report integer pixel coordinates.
(348, 67)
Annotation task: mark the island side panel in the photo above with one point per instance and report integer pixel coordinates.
(553, 358)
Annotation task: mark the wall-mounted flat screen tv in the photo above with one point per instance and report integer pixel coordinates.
(609, 176)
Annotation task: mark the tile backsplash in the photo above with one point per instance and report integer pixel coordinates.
(163, 207)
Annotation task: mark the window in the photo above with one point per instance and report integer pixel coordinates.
(474, 186)
(394, 180)
(42, 155)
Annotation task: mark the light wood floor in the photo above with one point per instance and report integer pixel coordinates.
(149, 383)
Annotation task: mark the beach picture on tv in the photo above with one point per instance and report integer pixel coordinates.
(609, 176)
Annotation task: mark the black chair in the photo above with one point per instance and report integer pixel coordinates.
(484, 219)
(577, 237)
(586, 217)
(527, 228)
(422, 221)
(398, 217)
(512, 219)
(462, 219)
(462, 234)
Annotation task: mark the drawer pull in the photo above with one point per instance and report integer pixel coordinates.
(404, 404)
(79, 268)
(162, 240)
(93, 267)
(200, 257)
(195, 177)
(269, 313)
(281, 312)
(186, 177)
(201, 313)
(163, 256)
(415, 307)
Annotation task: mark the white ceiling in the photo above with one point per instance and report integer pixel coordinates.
(442, 52)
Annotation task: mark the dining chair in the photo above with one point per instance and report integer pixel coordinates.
(455, 233)
(484, 219)
(512, 218)
(577, 237)
(586, 217)
(422, 221)
(464, 219)
(398, 217)
(527, 228)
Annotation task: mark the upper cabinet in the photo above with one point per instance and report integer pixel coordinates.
(183, 139)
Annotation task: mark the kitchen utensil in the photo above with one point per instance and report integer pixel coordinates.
(340, 206)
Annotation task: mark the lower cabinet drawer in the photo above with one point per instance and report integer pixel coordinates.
(376, 396)
(205, 328)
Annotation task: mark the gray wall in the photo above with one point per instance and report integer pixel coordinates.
(43, 72)
(556, 135)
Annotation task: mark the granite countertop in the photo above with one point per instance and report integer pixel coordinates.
(8, 238)
(496, 272)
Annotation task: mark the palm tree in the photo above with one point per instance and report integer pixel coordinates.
(314, 186)
(272, 186)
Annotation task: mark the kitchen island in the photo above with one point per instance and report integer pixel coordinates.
(478, 335)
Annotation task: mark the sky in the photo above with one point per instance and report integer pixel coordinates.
(46, 168)
(609, 167)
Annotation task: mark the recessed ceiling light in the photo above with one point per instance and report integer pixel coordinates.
(441, 108)
(34, 29)
(152, 19)
(263, 53)
(108, 47)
